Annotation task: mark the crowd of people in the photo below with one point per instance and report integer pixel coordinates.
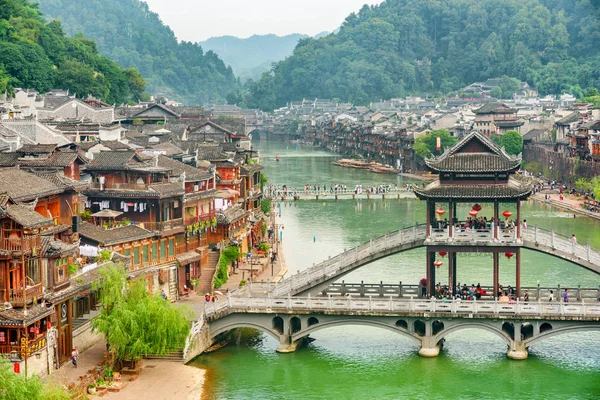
(284, 190)
(477, 292)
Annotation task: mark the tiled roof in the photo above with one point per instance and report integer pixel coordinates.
(165, 189)
(251, 168)
(52, 247)
(211, 153)
(108, 237)
(508, 124)
(26, 217)
(57, 159)
(495, 108)
(22, 317)
(512, 190)
(231, 215)
(178, 168)
(169, 148)
(29, 186)
(573, 117)
(8, 159)
(37, 148)
(494, 159)
(111, 160)
(62, 181)
(115, 145)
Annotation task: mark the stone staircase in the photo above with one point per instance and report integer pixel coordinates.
(176, 356)
(208, 270)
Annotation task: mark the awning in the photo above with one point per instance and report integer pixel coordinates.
(107, 214)
(188, 258)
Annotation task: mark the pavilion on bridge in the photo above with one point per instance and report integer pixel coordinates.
(477, 173)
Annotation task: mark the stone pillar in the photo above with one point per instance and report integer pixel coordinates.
(518, 273)
(286, 345)
(517, 349)
(430, 273)
(454, 270)
(496, 273)
(429, 348)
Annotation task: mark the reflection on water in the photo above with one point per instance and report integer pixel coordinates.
(354, 362)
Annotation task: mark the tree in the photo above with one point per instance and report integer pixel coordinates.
(425, 145)
(135, 321)
(512, 141)
(20, 387)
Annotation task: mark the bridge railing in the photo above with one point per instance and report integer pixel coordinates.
(396, 306)
(563, 244)
(320, 192)
(400, 290)
(336, 265)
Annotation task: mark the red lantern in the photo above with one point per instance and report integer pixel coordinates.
(442, 253)
(477, 207)
(438, 263)
(508, 254)
(440, 211)
(506, 214)
(473, 213)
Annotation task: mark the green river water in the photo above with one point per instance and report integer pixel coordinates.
(353, 362)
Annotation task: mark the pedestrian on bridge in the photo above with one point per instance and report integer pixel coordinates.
(566, 296)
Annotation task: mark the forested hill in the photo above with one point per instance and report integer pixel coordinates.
(133, 36)
(37, 55)
(252, 56)
(438, 46)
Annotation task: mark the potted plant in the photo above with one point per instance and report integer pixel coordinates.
(91, 388)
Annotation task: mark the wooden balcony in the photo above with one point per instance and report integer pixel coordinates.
(164, 226)
(17, 352)
(119, 186)
(202, 217)
(16, 296)
(22, 243)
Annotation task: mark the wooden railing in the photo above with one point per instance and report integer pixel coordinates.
(23, 243)
(202, 217)
(16, 295)
(19, 351)
(163, 226)
(118, 186)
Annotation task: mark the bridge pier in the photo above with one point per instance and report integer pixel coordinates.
(287, 345)
(429, 348)
(517, 351)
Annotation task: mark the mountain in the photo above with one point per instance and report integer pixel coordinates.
(252, 56)
(37, 55)
(130, 34)
(433, 46)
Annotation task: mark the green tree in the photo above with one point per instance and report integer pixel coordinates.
(512, 141)
(20, 387)
(134, 321)
(425, 145)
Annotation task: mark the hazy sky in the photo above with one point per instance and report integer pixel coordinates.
(197, 20)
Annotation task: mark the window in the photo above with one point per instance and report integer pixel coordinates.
(171, 247)
(136, 255)
(145, 254)
(127, 252)
(61, 270)
(163, 249)
(32, 267)
(154, 251)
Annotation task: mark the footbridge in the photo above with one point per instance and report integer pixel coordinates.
(315, 279)
(426, 322)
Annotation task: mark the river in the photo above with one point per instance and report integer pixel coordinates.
(352, 362)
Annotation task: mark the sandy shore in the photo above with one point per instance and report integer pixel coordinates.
(164, 380)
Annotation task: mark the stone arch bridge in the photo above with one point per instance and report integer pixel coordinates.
(425, 322)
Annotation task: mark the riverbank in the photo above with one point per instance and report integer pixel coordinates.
(569, 203)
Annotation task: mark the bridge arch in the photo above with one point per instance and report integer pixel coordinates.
(472, 325)
(561, 330)
(363, 322)
(235, 325)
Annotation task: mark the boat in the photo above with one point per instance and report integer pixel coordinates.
(350, 163)
(383, 169)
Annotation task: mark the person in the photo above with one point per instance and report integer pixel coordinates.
(504, 298)
(573, 239)
(75, 356)
(163, 294)
(526, 296)
(566, 296)
(525, 224)
(551, 296)
(207, 298)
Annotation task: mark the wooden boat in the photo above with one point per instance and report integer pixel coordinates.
(345, 162)
(382, 169)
